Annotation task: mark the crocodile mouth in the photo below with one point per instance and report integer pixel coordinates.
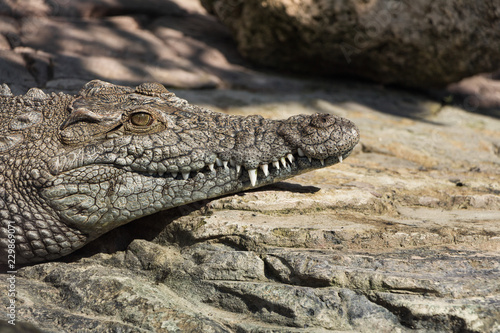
(284, 167)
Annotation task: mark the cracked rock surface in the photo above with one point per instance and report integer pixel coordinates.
(403, 236)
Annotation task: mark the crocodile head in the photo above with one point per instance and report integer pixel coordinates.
(120, 153)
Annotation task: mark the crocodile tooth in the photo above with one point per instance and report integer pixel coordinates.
(265, 169)
(252, 173)
(161, 169)
(300, 152)
(238, 168)
(232, 162)
(340, 159)
(290, 158)
(283, 161)
(218, 162)
(174, 174)
(185, 175)
(276, 164)
(322, 161)
(224, 163)
(310, 159)
(211, 167)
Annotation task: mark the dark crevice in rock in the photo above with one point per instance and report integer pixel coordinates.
(119, 239)
(436, 323)
(254, 304)
(287, 275)
(272, 273)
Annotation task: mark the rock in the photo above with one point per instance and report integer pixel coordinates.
(19, 327)
(4, 43)
(410, 43)
(122, 62)
(480, 93)
(172, 42)
(93, 8)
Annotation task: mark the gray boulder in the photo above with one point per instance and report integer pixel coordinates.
(412, 43)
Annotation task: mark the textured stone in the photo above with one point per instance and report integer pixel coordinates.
(411, 43)
(86, 40)
(91, 8)
(478, 93)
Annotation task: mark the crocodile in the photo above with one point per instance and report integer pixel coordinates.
(73, 167)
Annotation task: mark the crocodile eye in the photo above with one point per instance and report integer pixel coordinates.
(141, 119)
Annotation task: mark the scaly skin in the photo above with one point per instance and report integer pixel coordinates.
(75, 167)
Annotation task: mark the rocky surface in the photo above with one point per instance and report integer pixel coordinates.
(480, 92)
(404, 236)
(180, 46)
(412, 43)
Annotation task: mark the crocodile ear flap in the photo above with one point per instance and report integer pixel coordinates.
(86, 115)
